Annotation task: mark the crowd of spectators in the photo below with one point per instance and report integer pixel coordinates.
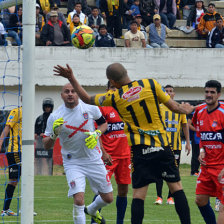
(148, 22)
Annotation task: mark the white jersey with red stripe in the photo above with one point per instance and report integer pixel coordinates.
(72, 138)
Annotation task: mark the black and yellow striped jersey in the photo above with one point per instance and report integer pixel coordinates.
(138, 106)
(15, 122)
(173, 122)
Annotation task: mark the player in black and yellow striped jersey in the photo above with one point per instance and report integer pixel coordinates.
(13, 127)
(138, 105)
(174, 122)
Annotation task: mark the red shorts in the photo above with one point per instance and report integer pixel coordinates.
(208, 184)
(121, 169)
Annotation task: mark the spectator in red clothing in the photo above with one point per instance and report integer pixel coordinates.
(116, 155)
(55, 33)
(209, 122)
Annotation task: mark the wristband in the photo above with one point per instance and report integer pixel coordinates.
(202, 150)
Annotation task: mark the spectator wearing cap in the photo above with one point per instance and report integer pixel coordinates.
(167, 11)
(95, 20)
(135, 8)
(216, 36)
(112, 11)
(134, 38)
(55, 33)
(208, 21)
(39, 25)
(103, 38)
(75, 23)
(45, 6)
(195, 14)
(77, 10)
(186, 6)
(157, 33)
(60, 14)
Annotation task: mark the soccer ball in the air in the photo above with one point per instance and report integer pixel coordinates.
(82, 37)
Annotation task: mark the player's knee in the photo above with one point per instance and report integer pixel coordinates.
(200, 203)
(108, 198)
(13, 182)
(78, 200)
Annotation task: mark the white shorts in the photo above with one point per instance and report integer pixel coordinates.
(95, 173)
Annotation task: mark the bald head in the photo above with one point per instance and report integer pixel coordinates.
(66, 86)
(69, 96)
(116, 72)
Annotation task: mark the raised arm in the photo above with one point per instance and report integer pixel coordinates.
(67, 72)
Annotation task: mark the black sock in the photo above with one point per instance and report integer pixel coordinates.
(137, 211)
(208, 213)
(8, 196)
(182, 207)
(159, 187)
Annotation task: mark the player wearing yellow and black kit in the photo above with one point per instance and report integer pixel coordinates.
(137, 103)
(13, 127)
(174, 122)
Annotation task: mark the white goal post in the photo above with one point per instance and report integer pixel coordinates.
(28, 90)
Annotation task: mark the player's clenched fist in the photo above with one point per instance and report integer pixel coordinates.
(91, 141)
(57, 125)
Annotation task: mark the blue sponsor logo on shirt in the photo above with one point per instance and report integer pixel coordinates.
(11, 117)
(171, 129)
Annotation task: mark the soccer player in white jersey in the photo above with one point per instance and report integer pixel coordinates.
(73, 123)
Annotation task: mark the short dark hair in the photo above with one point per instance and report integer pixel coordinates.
(133, 21)
(214, 84)
(102, 26)
(78, 3)
(211, 4)
(168, 86)
(218, 18)
(75, 14)
(94, 7)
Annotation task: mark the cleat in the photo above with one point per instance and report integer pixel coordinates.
(170, 201)
(4, 213)
(98, 218)
(8, 212)
(217, 204)
(195, 174)
(159, 201)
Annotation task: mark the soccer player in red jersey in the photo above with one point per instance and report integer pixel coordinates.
(116, 155)
(209, 122)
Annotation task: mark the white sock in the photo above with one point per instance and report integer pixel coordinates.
(96, 205)
(79, 216)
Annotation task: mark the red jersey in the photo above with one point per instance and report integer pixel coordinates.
(114, 139)
(210, 125)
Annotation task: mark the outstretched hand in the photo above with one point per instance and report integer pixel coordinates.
(65, 72)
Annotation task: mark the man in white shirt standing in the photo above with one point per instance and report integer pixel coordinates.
(73, 122)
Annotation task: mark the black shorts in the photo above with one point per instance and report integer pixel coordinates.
(152, 163)
(14, 164)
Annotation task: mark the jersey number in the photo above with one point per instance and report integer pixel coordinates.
(145, 108)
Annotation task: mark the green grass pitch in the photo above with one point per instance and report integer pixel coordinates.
(53, 206)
